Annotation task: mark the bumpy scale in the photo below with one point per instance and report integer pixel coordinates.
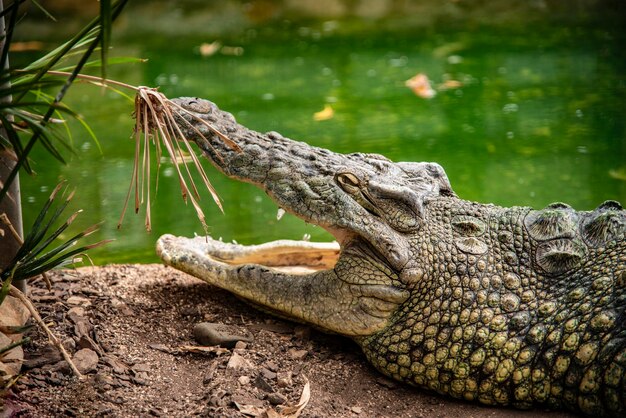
(504, 306)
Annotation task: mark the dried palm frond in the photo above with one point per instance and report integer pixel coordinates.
(156, 122)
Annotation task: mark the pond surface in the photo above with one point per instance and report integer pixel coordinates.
(520, 117)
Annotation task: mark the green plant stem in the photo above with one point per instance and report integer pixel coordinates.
(8, 35)
(96, 80)
(13, 345)
(117, 9)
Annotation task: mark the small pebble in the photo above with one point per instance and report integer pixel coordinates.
(211, 334)
(383, 381)
(356, 409)
(268, 374)
(78, 301)
(85, 360)
(139, 381)
(262, 384)
(276, 398)
(75, 314)
(238, 362)
(272, 366)
(283, 379)
(302, 332)
(244, 380)
(298, 354)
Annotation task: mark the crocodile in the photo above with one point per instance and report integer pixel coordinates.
(502, 306)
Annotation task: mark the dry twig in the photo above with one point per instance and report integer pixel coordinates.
(51, 337)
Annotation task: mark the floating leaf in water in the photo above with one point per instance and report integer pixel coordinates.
(324, 114)
(208, 49)
(420, 84)
(232, 50)
(618, 174)
(450, 84)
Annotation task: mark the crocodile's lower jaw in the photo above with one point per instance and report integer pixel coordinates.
(304, 281)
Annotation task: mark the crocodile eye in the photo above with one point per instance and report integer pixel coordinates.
(348, 182)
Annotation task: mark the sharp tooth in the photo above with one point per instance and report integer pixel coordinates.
(280, 213)
(306, 237)
(235, 242)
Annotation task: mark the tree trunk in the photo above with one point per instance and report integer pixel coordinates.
(11, 206)
(11, 203)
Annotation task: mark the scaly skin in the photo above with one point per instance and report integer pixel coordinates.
(506, 306)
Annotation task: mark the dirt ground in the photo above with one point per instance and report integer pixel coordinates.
(130, 328)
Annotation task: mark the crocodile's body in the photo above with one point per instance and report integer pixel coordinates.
(507, 306)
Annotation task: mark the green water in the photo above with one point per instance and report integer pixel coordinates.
(539, 117)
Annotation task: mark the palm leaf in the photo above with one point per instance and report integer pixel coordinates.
(6, 286)
(12, 140)
(44, 66)
(30, 239)
(4, 12)
(13, 345)
(43, 9)
(32, 258)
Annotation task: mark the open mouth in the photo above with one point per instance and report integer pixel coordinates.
(285, 256)
(302, 280)
(282, 256)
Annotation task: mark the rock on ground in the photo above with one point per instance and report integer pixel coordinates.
(13, 315)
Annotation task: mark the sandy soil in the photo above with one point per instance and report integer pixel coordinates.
(130, 328)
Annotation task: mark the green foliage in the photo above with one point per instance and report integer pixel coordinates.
(34, 256)
(30, 113)
(26, 115)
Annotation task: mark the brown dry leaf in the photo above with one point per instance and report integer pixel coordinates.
(202, 349)
(251, 410)
(270, 413)
(295, 410)
(451, 84)
(232, 50)
(208, 49)
(618, 174)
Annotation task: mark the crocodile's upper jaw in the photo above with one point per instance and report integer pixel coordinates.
(355, 195)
